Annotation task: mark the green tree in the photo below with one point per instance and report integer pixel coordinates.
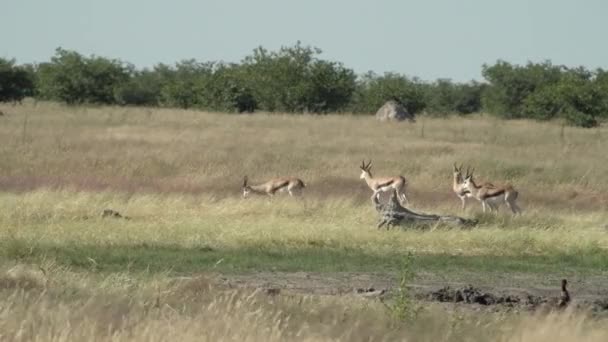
(183, 84)
(509, 85)
(295, 79)
(578, 98)
(373, 91)
(16, 82)
(73, 78)
(227, 90)
(445, 97)
(331, 87)
(142, 89)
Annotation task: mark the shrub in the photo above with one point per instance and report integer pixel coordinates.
(576, 97)
(444, 97)
(509, 85)
(294, 79)
(373, 91)
(73, 78)
(143, 88)
(16, 82)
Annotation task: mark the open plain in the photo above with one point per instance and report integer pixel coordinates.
(195, 261)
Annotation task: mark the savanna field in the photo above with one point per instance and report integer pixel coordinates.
(194, 259)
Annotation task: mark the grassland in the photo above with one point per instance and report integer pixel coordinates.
(177, 174)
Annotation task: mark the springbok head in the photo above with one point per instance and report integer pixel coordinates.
(468, 178)
(366, 169)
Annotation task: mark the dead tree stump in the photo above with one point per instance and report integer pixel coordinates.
(393, 214)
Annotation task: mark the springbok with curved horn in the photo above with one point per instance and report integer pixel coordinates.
(458, 184)
(383, 184)
(292, 185)
(458, 187)
(490, 195)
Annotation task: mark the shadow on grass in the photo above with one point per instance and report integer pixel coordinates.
(178, 259)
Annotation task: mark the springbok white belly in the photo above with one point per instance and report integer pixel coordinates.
(386, 188)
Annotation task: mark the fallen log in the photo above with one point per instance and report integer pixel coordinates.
(393, 213)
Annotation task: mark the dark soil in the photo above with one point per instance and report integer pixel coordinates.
(528, 293)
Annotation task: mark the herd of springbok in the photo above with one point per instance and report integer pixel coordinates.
(490, 195)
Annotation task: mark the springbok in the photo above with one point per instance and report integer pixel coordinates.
(383, 184)
(491, 196)
(458, 187)
(292, 185)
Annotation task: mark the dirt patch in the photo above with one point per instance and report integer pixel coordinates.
(473, 295)
(528, 293)
(523, 301)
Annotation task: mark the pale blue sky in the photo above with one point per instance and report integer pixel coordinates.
(428, 39)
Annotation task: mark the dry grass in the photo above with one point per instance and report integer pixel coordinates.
(161, 150)
(178, 173)
(45, 217)
(72, 307)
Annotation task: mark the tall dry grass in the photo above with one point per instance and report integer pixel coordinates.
(62, 306)
(168, 150)
(177, 174)
(52, 217)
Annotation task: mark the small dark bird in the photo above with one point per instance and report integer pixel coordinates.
(564, 299)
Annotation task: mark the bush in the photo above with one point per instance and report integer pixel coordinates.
(576, 97)
(294, 79)
(509, 85)
(373, 91)
(142, 89)
(226, 89)
(444, 97)
(183, 84)
(543, 92)
(16, 82)
(73, 78)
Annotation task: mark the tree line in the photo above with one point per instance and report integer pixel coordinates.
(295, 79)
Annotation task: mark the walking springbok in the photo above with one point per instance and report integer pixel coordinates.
(491, 196)
(383, 184)
(292, 185)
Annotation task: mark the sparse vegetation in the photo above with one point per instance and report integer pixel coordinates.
(177, 175)
(67, 306)
(296, 79)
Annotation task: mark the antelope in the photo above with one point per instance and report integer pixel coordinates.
(458, 187)
(383, 184)
(490, 195)
(292, 185)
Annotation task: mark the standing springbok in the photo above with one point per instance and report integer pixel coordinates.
(382, 184)
(458, 186)
(491, 196)
(292, 185)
